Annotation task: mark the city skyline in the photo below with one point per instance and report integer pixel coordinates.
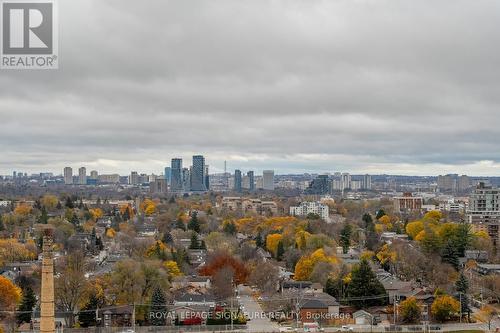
(309, 86)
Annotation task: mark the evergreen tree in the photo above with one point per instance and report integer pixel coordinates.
(449, 254)
(26, 307)
(462, 239)
(2, 227)
(59, 206)
(172, 200)
(194, 224)
(462, 286)
(380, 213)
(345, 238)
(167, 238)
(258, 240)
(69, 203)
(87, 315)
(229, 228)
(44, 217)
(158, 308)
(364, 284)
(367, 219)
(194, 241)
(280, 251)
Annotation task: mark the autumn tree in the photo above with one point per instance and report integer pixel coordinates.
(272, 241)
(221, 260)
(410, 310)
(10, 294)
(264, 276)
(88, 313)
(444, 308)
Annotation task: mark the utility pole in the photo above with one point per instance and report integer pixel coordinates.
(231, 310)
(133, 317)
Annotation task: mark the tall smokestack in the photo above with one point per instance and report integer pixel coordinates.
(47, 323)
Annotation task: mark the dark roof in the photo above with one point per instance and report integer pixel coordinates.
(314, 304)
(297, 284)
(194, 298)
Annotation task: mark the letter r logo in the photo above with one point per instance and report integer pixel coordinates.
(27, 28)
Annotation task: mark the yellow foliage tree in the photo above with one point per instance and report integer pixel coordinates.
(96, 213)
(306, 264)
(414, 228)
(444, 308)
(49, 201)
(386, 254)
(433, 215)
(148, 206)
(110, 233)
(10, 294)
(272, 242)
(172, 269)
(385, 219)
(23, 209)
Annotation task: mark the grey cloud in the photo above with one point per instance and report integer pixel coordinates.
(357, 85)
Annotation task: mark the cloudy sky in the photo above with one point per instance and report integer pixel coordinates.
(378, 86)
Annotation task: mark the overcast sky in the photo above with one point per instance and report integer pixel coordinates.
(401, 87)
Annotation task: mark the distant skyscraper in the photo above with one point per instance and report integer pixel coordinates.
(367, 182)
(82, 176)
(176, 175)
(268, 180)
(346, 181)
(237, 180)
(133, 179)
(168, 174)
(94, 174)
(198, 174)
(186, 179)
(251, 180)
(68, 176)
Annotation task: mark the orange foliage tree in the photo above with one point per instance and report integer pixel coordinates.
(10, 294)
(224, 260)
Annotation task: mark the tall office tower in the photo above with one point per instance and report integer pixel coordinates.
(251, 180)
(447, 183)
(82, 176)
(133, 179)
(198, 174)
(176, 175)
(346, 181)
(207, 178)
(463, 183)
(47, 322)
(367, 182)
(484, 211)
(94, 174)
(186, 179)
(168, 174)
(237, 180)
(68, 176)
(322, 184)
(268, 180)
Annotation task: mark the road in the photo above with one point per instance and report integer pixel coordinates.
(258, 322)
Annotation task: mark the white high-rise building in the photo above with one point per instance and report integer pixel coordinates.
(346, 181)
(82, 176)
(68, 176)
(268, 180)
(311, 207)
